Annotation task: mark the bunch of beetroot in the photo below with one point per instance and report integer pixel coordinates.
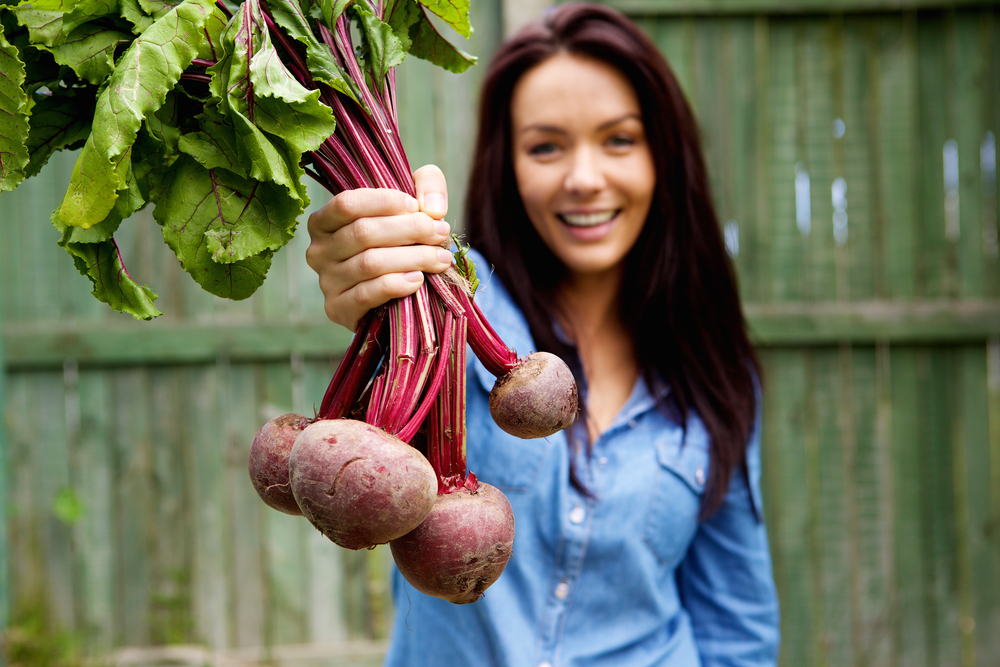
(352, 471)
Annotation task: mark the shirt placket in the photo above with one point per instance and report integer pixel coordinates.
(576, 523)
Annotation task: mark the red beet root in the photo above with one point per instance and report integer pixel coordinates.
(461, 547)
(537, 398)
(358, 485)
(268, 461)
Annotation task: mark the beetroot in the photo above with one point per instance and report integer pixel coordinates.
(268, 461)
(357, 484)
(537, 398)
(461, 547)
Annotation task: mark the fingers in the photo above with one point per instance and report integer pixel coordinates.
(432, 191)
(350, 205)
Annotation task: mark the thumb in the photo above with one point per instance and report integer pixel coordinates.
(432, 191)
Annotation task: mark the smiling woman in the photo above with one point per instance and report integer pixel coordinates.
(640, 540)
(583, 166)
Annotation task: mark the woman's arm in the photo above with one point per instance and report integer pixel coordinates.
(371, 246)
(725, 580)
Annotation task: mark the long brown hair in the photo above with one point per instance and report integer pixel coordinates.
(679, 299)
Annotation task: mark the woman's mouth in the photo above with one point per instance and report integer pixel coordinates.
(591, 219)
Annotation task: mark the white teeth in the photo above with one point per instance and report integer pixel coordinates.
(588, 219)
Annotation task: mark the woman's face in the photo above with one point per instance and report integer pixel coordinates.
(583, 167)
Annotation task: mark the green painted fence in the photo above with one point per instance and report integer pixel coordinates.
(852, 149)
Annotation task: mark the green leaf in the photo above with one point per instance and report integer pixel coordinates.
(429, 45)
(132, 12)
(383, 49)
(13, 117)
(331, 10)
(453, 12)
(216, 146)
(102, 263)
(146, 72)
(50, 22)
(95, 255)
(239, 83)
(319, 59)
(67, 506)
(224, 238)
(89, 50)
(59, 120)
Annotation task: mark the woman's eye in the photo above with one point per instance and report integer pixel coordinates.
(621, 141)
(542, 149)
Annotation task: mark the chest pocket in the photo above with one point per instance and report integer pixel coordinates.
(498, 458)
(676, 498)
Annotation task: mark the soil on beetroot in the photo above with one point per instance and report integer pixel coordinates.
(267, 461)
(358, 485)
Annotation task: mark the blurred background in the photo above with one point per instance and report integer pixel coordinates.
(852, 150)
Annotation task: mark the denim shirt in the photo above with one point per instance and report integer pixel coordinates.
(626, 578)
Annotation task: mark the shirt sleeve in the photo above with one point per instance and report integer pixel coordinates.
(725, 580)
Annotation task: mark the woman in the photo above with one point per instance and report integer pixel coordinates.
(640, 538)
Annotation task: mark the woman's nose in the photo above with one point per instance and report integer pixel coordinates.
(584, 176)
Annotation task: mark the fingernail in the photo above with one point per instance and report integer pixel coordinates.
(411, 205)
(434, 202)
(444, 256)
(413, 276)
(442, 227)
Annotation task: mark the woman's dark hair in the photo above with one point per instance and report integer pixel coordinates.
(679, 298)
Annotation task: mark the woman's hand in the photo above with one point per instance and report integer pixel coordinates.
(371, 246)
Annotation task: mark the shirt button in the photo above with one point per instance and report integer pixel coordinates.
(631, 423)
(577, 514)
(603, 460)
(562, 590)
(545, 663)
(699, 475)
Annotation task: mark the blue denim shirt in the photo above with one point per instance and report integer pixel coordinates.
(626, 578)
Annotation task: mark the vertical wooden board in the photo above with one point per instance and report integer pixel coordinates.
(270, 301)
(786, 403)
(713, 81)
(25, 516)
(50, 450)
(417, 105)
(94, 481)
(938, 252)
(993, 403)
(886, 610)
(305, 299)
(961, 528)
(675, 37)
(135, 505)
(820, 72)
(938, 508)
(38, 258)
(284, 544)
(899, 177)
(855, 251)
(909, 376)
(245, 539)
(741, 198)
(760, 234)
(982, 573)
(786, 100)
(971, 63)
(830, 485)
(171, 524)
(872, 570)
(990, 26)
(211, 557)
(326, 621)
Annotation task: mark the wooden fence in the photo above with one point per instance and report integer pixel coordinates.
(853, 160)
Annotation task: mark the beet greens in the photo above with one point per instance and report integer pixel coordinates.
(214, 112)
